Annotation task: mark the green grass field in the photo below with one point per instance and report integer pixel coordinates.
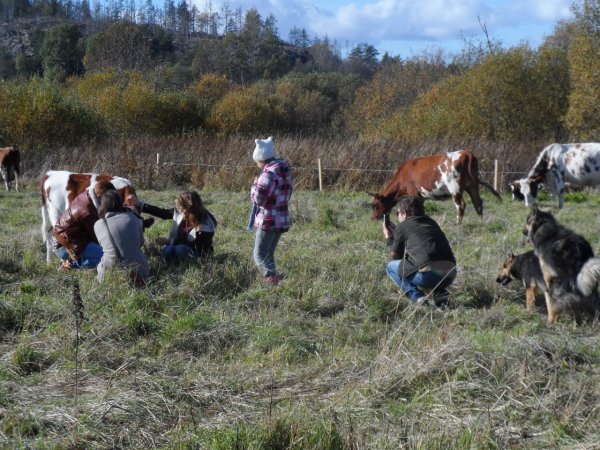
(207, 357)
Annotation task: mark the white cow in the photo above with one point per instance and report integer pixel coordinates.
(557, 164)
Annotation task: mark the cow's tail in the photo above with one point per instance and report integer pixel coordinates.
(492, 190)
(589, 276)
(474, 173)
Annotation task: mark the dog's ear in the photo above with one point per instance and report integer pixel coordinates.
(534, 209)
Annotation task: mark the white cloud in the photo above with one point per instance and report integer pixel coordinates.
(431, 21)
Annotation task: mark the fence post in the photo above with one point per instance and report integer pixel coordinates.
(495, 174)
(320, 175)
(158, 163)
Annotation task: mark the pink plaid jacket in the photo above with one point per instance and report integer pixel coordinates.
(272, 193)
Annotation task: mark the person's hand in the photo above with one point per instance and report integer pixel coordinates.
(72, 255)
(388, 230)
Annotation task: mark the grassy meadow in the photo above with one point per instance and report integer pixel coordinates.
(208, 357)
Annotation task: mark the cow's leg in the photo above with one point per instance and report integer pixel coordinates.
(4, 173)
(460, 207)
(47, 232)
(558, 185)
(16, 172)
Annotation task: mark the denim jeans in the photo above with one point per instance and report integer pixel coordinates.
(410, 285)
(265, 243)
(89, 259)
(178, 253)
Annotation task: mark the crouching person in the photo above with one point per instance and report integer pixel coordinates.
(120, 233)
(76, 243)
(422, 257)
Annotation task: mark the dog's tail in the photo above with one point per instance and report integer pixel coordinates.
(589, 276)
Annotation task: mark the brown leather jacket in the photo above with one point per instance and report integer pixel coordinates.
(75, 227)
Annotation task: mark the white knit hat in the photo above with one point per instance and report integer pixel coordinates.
(264, 149)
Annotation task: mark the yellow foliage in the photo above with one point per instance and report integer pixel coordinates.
(244, 110)
(584, 100)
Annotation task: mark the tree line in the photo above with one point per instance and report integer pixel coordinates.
(237, 75)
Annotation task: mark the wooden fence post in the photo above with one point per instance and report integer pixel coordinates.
(320, 175)
(495, 174)
(157, 163)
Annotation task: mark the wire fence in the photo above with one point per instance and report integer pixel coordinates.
(496, 173)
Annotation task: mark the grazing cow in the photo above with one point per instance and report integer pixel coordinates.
(557, 164)
(10, 166)
(436, 177)
(59, 188)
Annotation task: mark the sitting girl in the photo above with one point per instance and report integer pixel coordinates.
(193, 228)
(120, 232)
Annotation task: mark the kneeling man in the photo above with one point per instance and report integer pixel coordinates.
(422, 257)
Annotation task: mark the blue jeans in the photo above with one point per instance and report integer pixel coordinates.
(178, 253)
(265, 243)
(410, 285)
(89, 259)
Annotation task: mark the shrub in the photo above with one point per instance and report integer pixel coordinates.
(39, 112)
(245, 110)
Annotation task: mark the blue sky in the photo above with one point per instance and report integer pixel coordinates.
(410, 27)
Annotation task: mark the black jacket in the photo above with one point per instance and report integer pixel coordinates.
(419, 241)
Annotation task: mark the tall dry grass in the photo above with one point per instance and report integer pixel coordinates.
(226, 163)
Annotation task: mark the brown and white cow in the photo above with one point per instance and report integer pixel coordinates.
(10, 166)
(59, 188)
(436, 177)
(557, 164)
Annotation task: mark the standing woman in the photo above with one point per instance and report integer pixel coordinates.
(193, 228)
(271, 193)
(120, 232)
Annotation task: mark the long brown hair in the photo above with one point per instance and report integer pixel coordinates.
(190, 203)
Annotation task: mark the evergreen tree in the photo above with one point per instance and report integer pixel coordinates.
(62, 52)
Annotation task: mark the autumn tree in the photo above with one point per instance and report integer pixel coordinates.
(584, 63)
(392, 90)
(509, 96)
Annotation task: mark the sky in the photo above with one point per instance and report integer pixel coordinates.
(410, 27)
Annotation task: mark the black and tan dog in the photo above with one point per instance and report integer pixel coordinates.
(570, 270)
(524, 267)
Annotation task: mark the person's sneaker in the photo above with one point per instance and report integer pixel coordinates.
(422, 301)
(441, 300)
(272, 280)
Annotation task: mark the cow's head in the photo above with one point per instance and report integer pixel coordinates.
(516, 189)
(129, 197)
(525, 189)
(381, 205)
